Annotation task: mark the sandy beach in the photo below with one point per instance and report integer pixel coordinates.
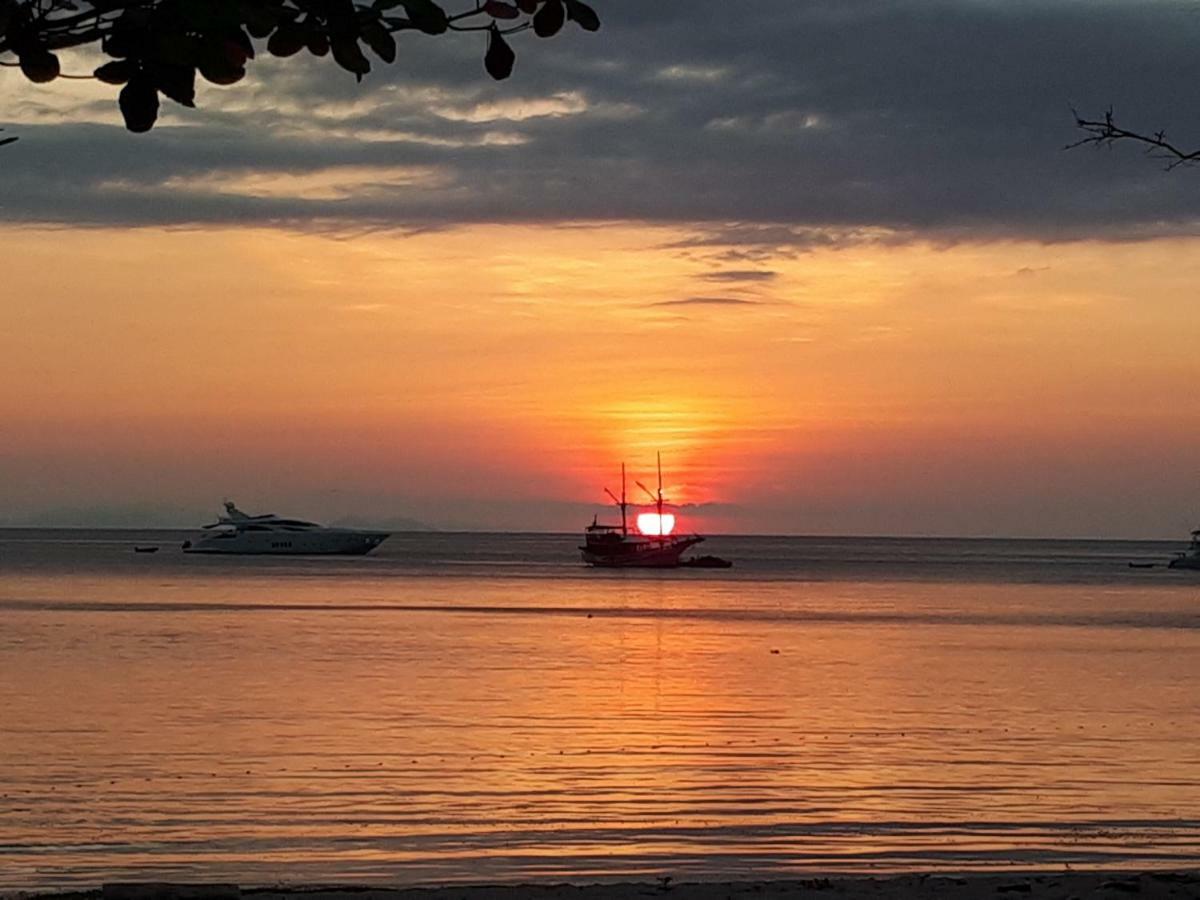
(1062, 886)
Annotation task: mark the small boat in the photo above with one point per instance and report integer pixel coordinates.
(145, 548)
(707, 562)
(1189, 558)
(1142, 565)
(652, 547)
(237, 532)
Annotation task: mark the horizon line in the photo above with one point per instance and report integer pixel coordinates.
(731, 534)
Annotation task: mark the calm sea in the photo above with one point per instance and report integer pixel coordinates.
(479, 707)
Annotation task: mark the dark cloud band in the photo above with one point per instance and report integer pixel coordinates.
(825, 122)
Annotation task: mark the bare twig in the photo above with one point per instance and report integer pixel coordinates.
(1106, 132)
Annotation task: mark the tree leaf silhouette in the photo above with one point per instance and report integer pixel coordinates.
(498, 9)
(39, 65)
(222, 63)
(548, 20)
(427, 16)
(138, 101)
(288, 39)
(157, 46)
(318, 43)
(348, 55)
(175, 81)
(380, 40)
(499, 58)
(584, 15)
(118, 71)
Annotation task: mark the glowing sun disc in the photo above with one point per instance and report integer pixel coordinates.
(654, 525)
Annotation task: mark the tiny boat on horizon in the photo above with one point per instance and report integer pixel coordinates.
(1189, 558)
(237, 532)
(613, 546)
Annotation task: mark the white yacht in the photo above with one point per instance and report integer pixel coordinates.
(237, 532)
(1189, 558)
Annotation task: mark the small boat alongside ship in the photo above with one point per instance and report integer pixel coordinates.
(653, 546)
(237, 532)
(1189, 558)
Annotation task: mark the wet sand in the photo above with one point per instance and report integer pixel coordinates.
(1063, 886)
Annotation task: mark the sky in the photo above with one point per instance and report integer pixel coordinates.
(830, 258)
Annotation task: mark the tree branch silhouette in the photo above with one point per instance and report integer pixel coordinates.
(1106, 132)
(158, 46)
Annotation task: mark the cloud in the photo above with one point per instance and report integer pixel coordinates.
(332, 183)
(714, 506)
(802, 124)
(570, 103)
(693, 73)
(708, 301)
(735, 275)
(742, 242)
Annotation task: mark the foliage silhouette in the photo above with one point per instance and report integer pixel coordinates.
(158, 46)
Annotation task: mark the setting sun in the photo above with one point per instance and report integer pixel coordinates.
(655, 525)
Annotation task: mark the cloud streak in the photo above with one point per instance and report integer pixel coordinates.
(739, 275)
(708, 301)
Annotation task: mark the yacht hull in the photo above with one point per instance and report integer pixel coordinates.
(1184, 562)
(325, 543)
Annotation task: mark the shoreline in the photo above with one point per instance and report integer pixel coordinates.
(1166, 883)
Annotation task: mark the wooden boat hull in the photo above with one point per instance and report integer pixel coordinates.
(645, 554)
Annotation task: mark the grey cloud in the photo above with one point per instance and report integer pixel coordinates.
(708, 301)
(712, 506)
(828, 123)
(756, 242)
(737, 275)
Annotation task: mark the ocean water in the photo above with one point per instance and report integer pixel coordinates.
(474, 707)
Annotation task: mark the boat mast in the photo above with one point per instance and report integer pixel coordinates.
(623, 532)
(657, 498)
(621, 503)
(660, 492)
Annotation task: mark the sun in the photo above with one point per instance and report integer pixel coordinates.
(655, 525)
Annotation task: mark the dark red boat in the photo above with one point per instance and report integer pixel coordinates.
(613, 546)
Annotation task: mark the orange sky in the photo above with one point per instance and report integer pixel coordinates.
(496, 377)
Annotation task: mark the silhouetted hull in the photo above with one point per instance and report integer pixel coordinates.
(1184, 562)
(639, 554)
